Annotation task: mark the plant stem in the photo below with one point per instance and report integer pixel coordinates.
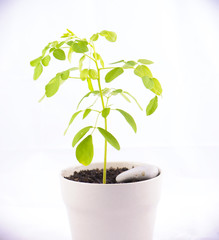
(103, 105)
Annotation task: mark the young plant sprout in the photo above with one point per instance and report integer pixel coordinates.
(86, 49)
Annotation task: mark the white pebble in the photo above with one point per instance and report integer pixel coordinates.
(138, 174)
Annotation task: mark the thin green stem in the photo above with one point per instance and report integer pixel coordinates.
(90, 57)
(75, 77)
(103, 105)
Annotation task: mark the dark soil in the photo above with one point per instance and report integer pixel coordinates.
(96, 175)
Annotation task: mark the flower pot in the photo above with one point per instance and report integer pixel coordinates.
(111, 211)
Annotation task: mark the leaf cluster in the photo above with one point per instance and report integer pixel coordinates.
(88, 70)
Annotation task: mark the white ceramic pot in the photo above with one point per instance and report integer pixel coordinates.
(111, 211)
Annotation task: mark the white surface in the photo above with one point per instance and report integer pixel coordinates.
(31, 206)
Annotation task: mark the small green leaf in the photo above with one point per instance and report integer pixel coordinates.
(152, 106)
(129, 119)
(36, 61)
(85, 151)
(59, 54)
(115, 92)
(105, 112)
(110, 36)
(93, 74)
(52, 87)
(94, 37)
(51, 50)
(65, 35)
(105, 91)
(80, 47)
(79, 135)
(71, 120)
(118, 62)
(157, 89)
(148, 82)
(65, 75)
(142, 70)
(129, 64)
(70, 51)
(114, 73)
(125, 97)
(86, 112)
(54, 44)
(145, 61)
(109, 138)
(81, 62)
(133, 99)
(60, 44)
(45, 50)
(71, 33)
(46, 60)
(90, 85)
(84, 74)
(98, 57)
(37, 71)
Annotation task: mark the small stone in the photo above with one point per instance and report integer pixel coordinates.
(138, 174)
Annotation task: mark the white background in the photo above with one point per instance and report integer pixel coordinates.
(181, 37)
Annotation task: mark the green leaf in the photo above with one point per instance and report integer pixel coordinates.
(36, 61)
(142, 70)
(125, 97)
(81, 62)
(84, 74)
(46, 60)
(118, 62)
(86, 112)
(51, 50)
(110, 36)
(60, 44)
(79, 135)
(71, 120)
(133, 99)
(129, 64)
(45, 50)
(52, 87)
(105, 112)
(80, 47)
(114, 73)
(129, 119)
(71, 33)
(152, 106)
(115, 92)
(37, 71)
(94, 37)
(65, 75)
(93, 74)
(109, 138)
(157, 89)
(145, 61)
(90, 86)
(70, 51)
(98, 57)
(54, 44)
(148, 82)
(59, 54)
(85, 151)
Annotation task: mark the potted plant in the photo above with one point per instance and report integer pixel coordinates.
(99, 208)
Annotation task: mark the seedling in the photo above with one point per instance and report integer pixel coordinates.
(88, 70)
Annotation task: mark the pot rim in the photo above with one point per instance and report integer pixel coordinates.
(79, 167)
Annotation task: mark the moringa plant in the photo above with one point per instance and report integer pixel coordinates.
(90, 74)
